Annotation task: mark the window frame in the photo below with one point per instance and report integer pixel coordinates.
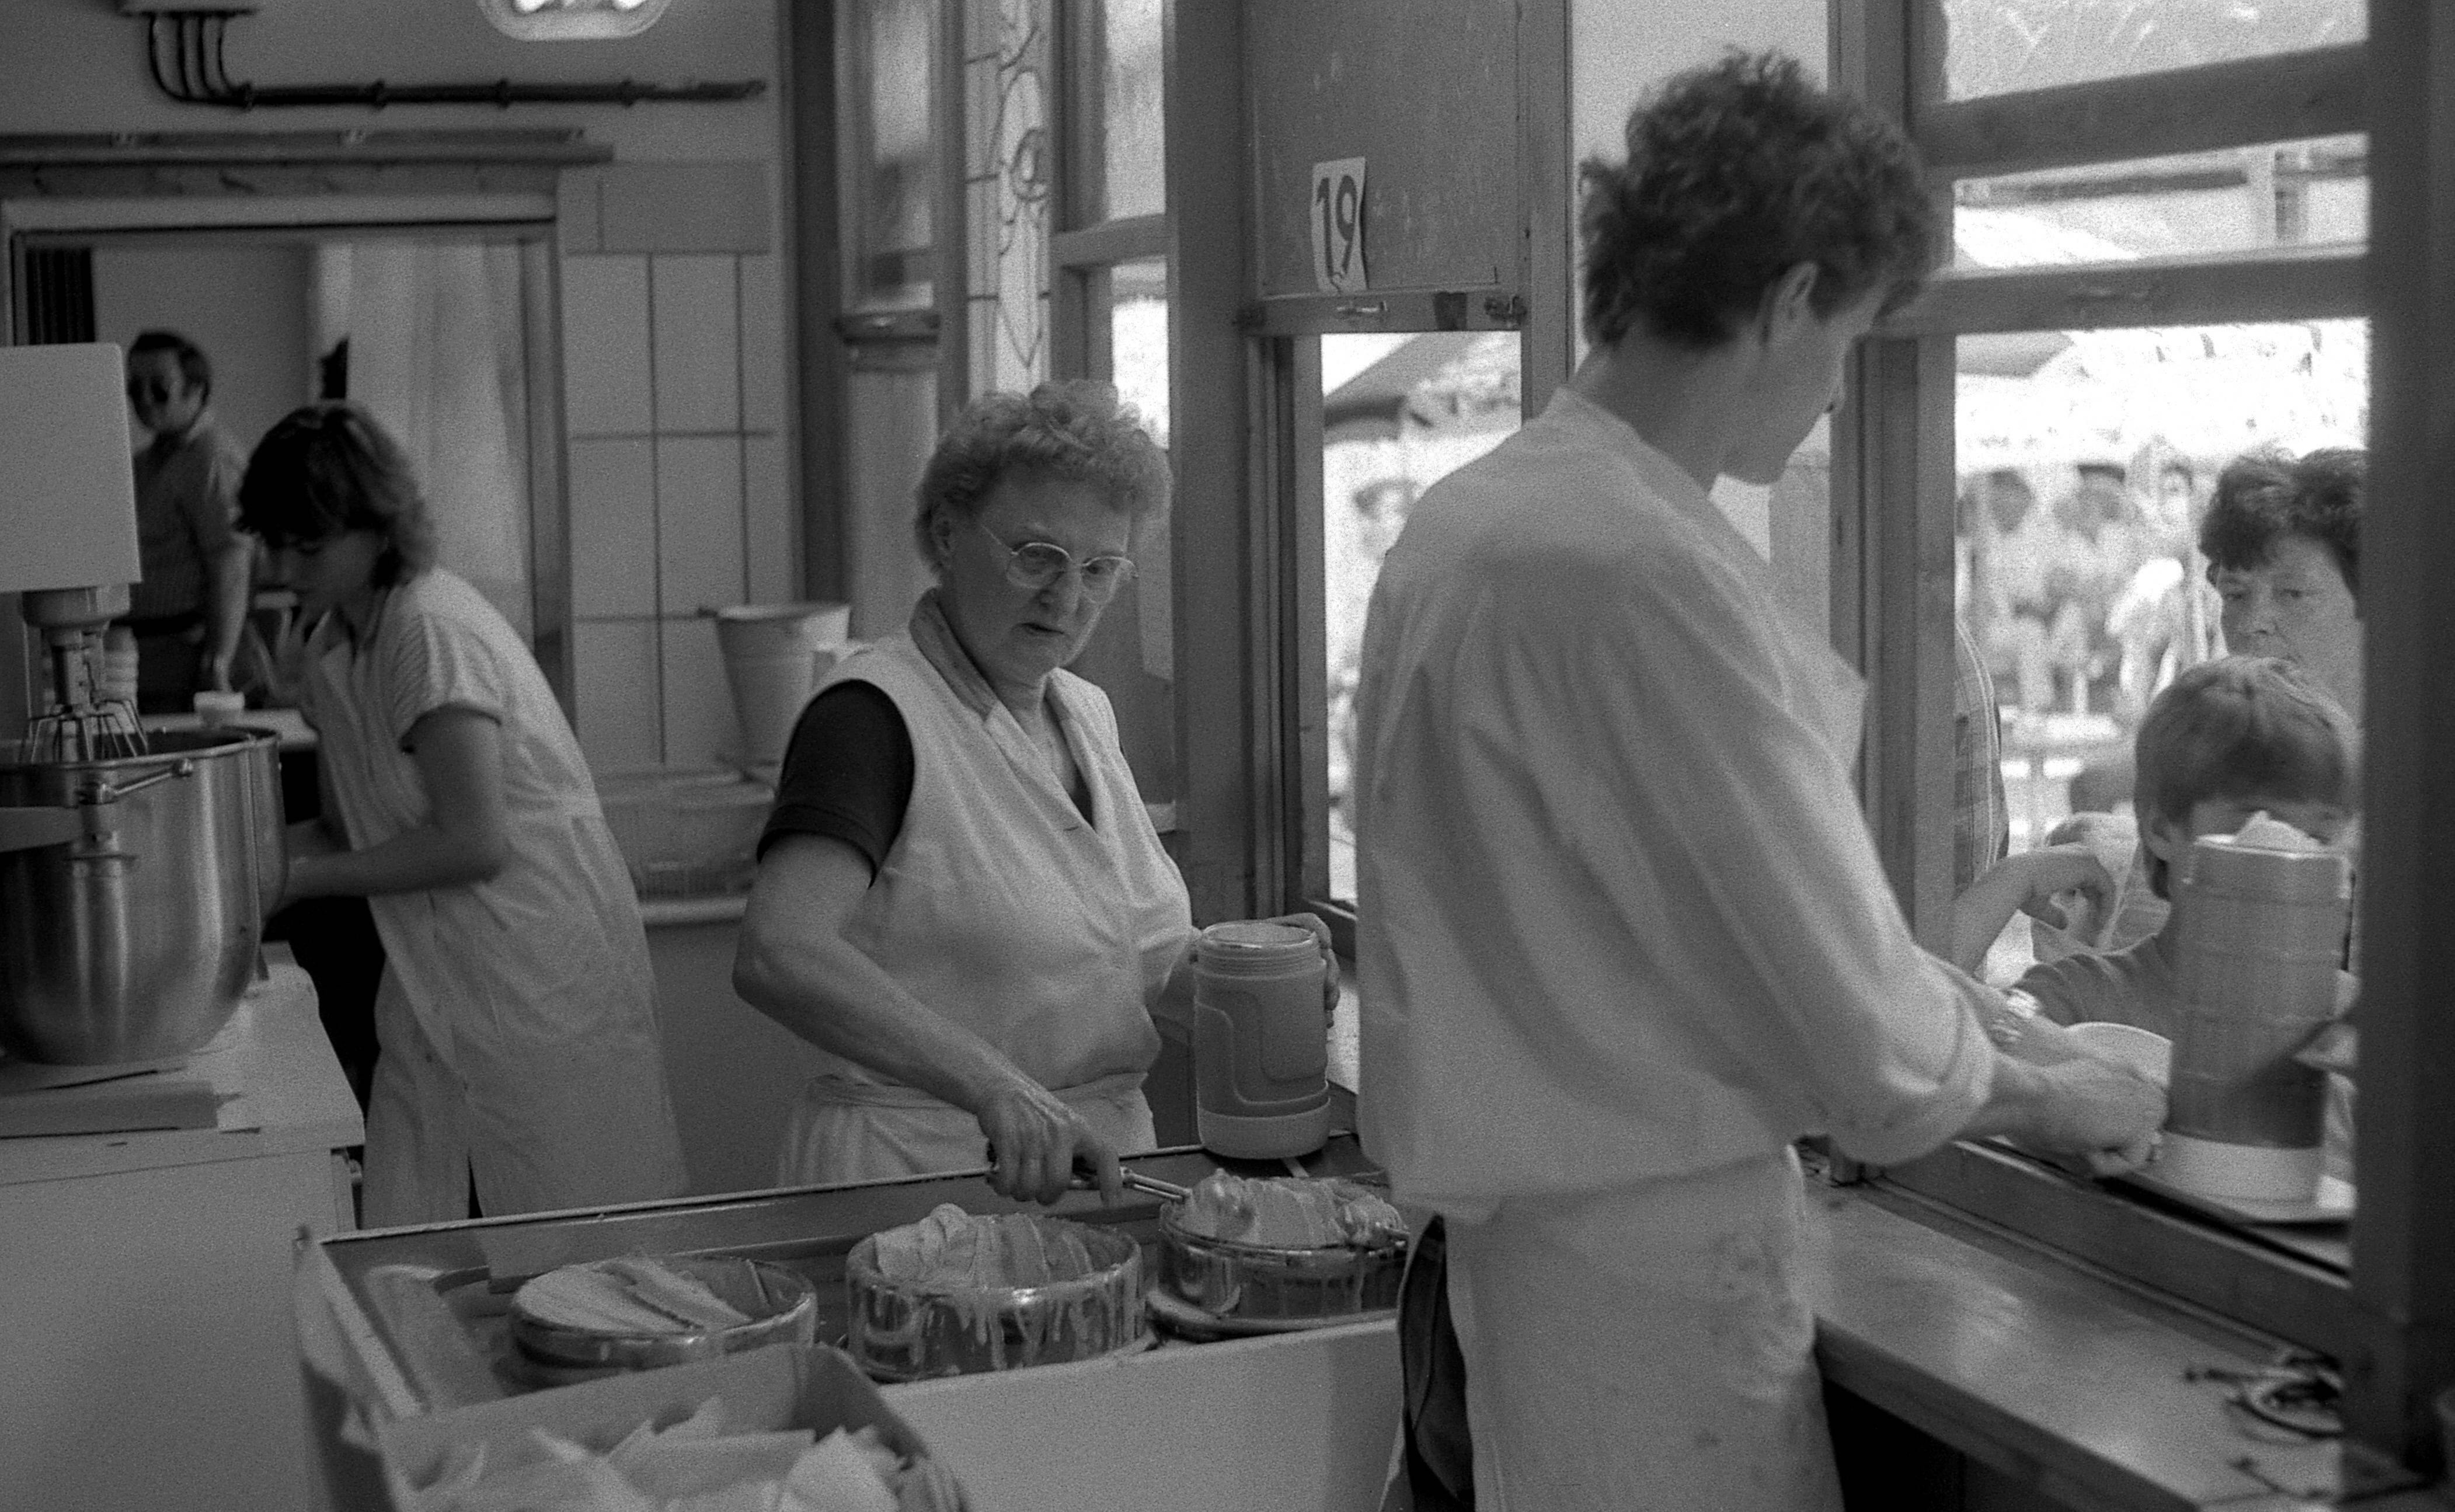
(1536, 298)
(1894, 486)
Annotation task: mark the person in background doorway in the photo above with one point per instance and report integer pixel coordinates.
(186, 614)
(1622, 932)
(521, 1061)
(961, 900)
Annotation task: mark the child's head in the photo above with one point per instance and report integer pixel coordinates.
(2235, 736)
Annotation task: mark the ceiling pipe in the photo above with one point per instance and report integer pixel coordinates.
(185, 59)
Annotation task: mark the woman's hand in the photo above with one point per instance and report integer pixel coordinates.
(1329, 976)
(1036, 1141)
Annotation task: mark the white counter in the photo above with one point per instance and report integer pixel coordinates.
(145, 1284)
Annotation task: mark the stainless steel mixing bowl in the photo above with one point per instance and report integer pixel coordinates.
(135, 940)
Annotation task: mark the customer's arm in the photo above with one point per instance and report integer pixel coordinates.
(2027, 884)
(794, 964)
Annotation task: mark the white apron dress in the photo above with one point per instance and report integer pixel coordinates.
(1622, 938)
(516, 1015)
(1005, 910)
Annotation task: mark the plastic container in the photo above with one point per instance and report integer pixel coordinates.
(2260, 932)
(1261, 1045)
(772, 660)
(685, 832)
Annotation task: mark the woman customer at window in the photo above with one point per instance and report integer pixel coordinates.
(961, 900)
(520, 1058)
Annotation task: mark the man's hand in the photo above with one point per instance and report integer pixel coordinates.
(1329, 955)
(2102, 1113)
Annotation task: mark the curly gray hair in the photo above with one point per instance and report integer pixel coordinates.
(1078, 430)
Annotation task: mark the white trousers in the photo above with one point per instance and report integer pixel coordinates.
(1646, 1348)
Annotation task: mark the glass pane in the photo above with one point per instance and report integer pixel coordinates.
(2288, 193)
(1137, 303)
(1399, 413)
(1133, 128)
(1996, 46)
(889, 261)
(2086, 459)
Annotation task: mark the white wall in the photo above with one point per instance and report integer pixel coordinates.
(673, 298)
(245, 304)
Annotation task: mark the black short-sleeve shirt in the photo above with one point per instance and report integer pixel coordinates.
(847, 773)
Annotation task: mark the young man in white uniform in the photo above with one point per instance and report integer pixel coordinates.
(1622, 932)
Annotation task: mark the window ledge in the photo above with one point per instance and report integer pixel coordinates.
(2059, 1379)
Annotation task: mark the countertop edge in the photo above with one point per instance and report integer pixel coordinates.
(274, 1064)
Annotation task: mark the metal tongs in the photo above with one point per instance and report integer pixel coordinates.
(1087, 1179)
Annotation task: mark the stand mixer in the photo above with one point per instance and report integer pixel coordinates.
(134, 874)
(68, 546)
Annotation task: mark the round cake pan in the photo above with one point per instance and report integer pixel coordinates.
(1230, 1279)
(902, 1331)
(783, 1307)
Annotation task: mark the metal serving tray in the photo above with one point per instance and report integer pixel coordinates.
(435, 1300)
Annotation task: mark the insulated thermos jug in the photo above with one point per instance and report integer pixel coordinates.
(2259, 932)
(1260, 1049)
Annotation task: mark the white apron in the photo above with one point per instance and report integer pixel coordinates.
(517, 1014)
(1005, 910)
(1647, 1347)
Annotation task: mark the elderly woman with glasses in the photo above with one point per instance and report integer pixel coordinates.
(960, 900)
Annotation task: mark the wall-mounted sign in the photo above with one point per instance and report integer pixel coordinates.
(1337, 219)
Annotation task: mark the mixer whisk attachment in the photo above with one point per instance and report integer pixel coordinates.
(87, 721)
(90, 732)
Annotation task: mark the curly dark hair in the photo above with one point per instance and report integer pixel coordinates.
(1736, 172)
(324, 469)
(2263, 497)
(1076, 430)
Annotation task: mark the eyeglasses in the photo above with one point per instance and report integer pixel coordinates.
(159, 392)
(1037, 564)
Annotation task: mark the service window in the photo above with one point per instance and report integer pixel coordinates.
(2158, 230)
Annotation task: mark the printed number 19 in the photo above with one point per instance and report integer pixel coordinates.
(1337, 223)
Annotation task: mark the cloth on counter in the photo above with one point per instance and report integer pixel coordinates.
(1005, 910)
(847, 773)
(516, 1015)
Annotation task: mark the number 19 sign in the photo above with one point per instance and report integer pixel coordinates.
(1337, 226)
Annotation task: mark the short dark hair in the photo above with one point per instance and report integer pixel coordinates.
(2263, 497)
(195, 368)
(1077, 430)
(324, 469)
(1736, 172)
(2244, 727)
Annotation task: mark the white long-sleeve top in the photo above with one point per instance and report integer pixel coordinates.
(1619, 917)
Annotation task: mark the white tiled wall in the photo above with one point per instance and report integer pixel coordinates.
(674, 397)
